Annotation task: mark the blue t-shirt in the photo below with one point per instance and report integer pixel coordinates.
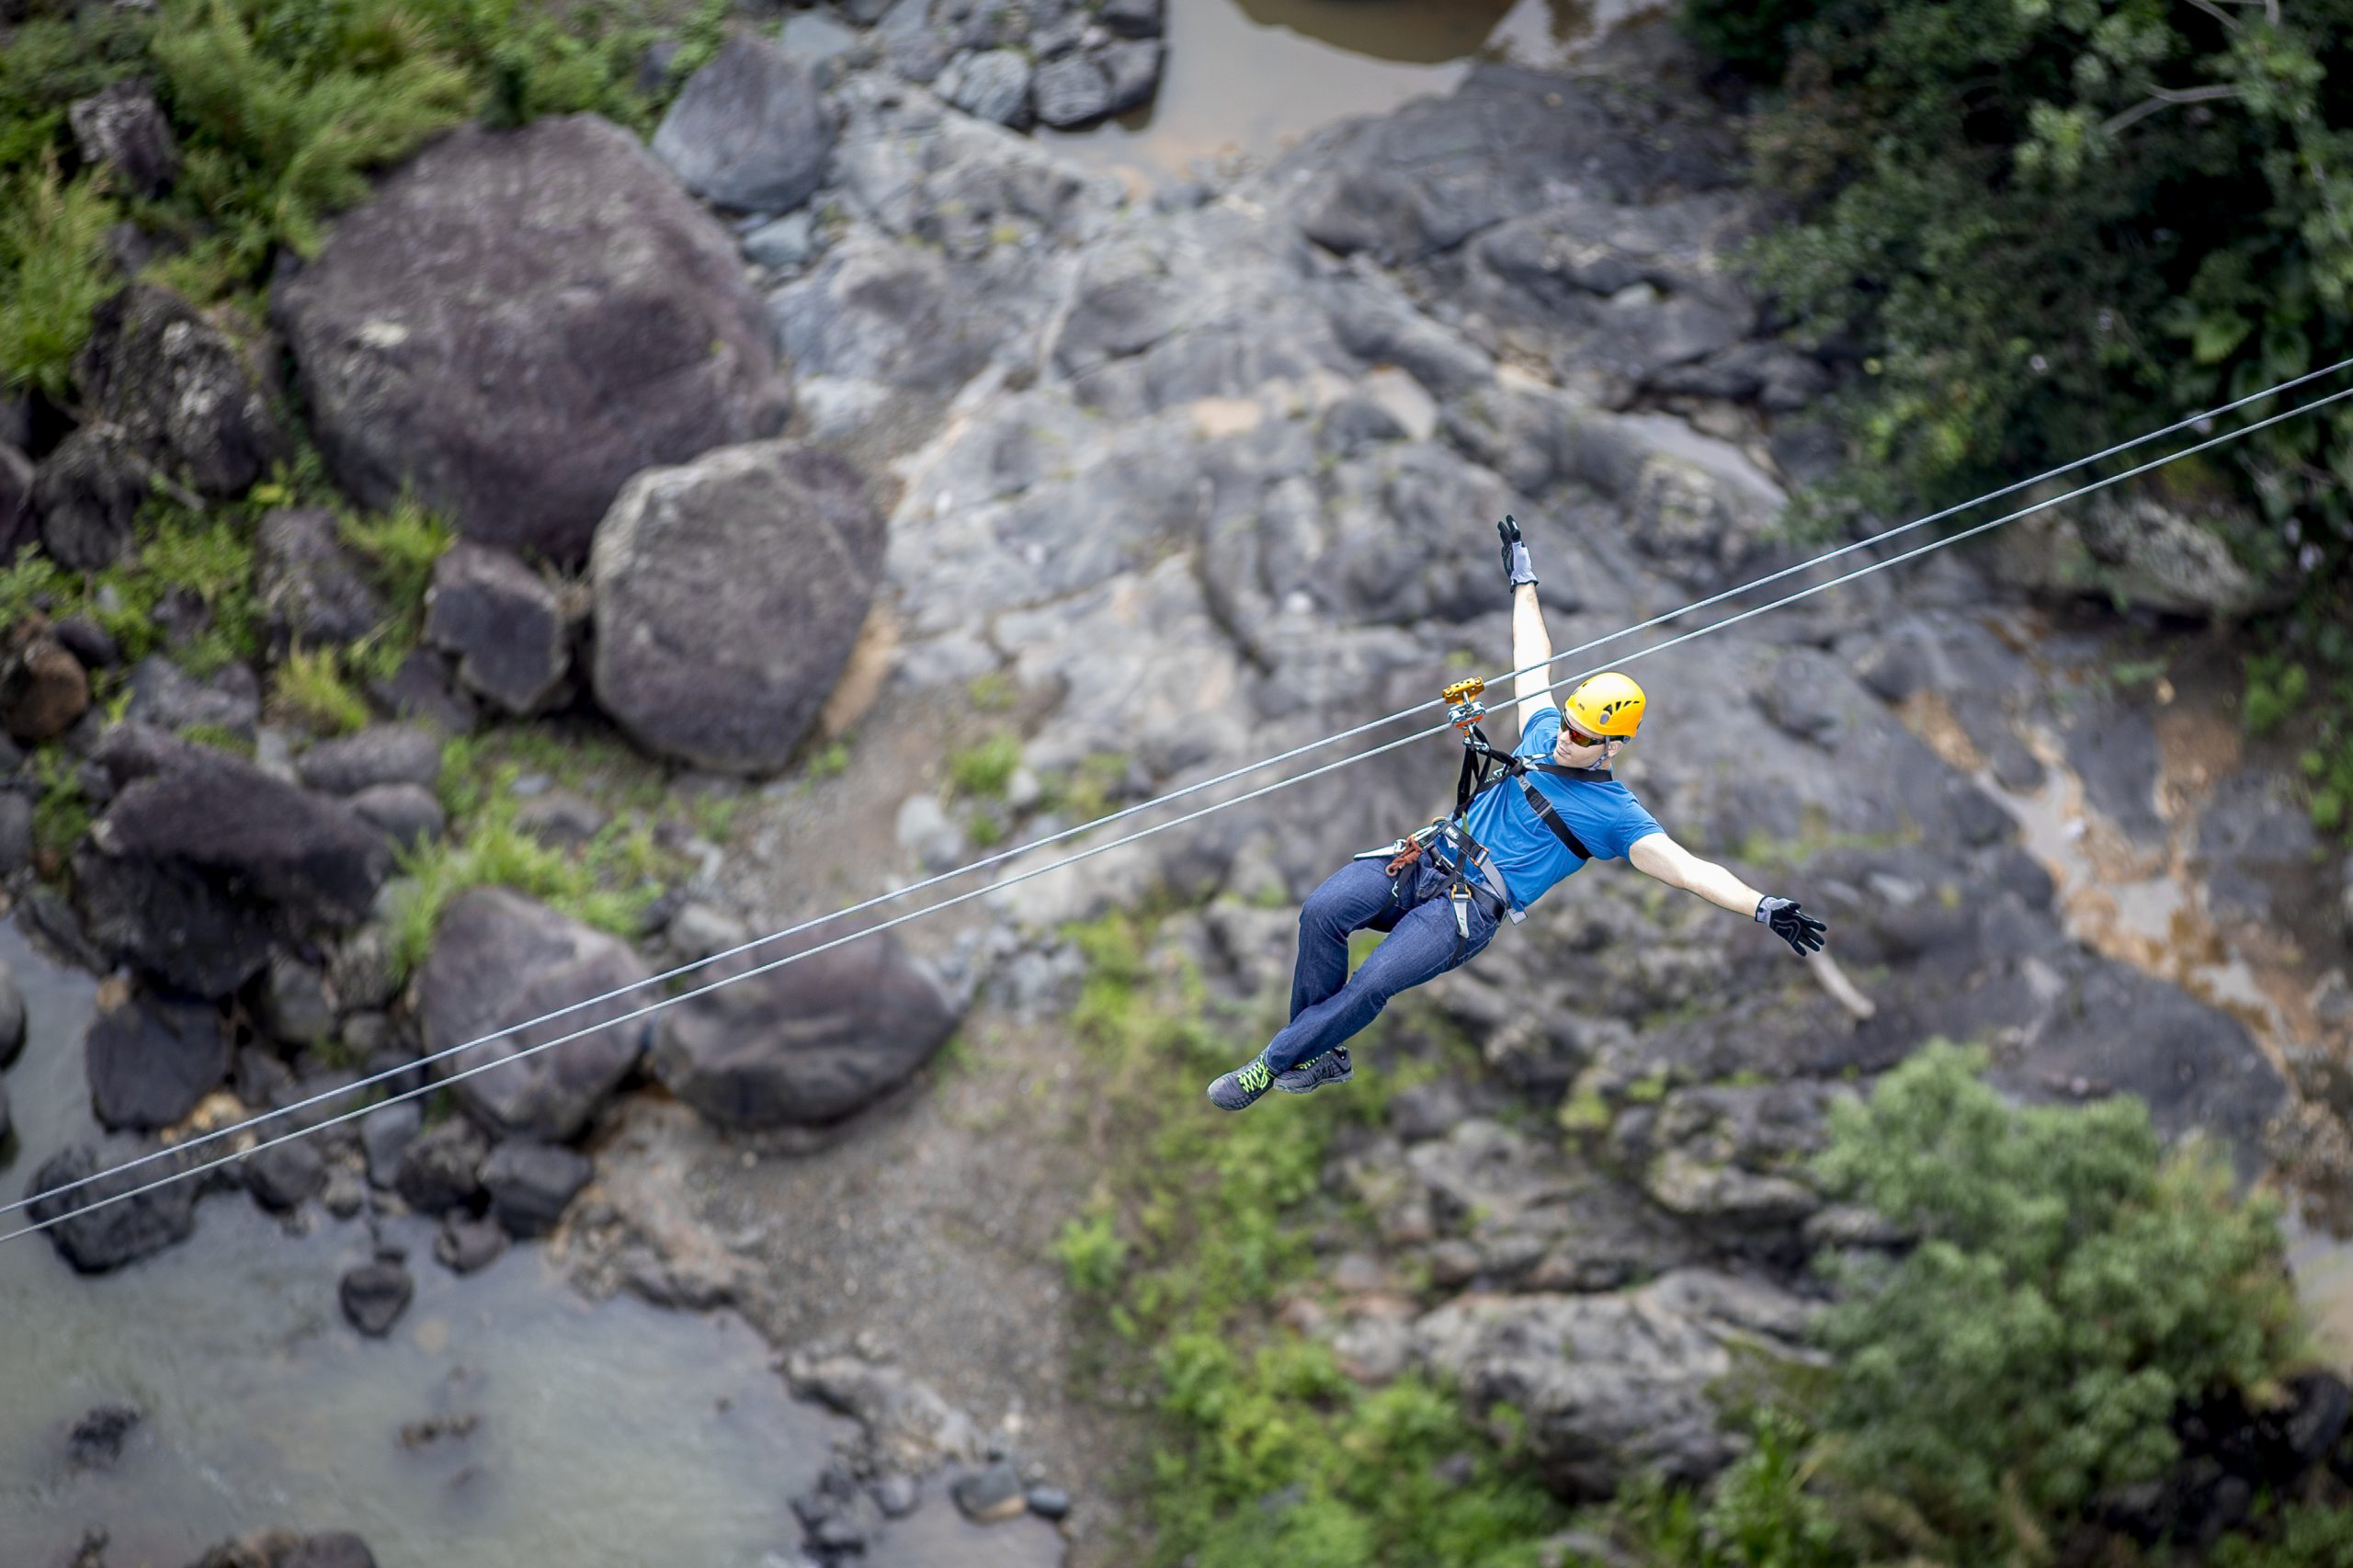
(1603, 814)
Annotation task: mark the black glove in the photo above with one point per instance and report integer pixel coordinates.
(1802, 931)
(1515, 562)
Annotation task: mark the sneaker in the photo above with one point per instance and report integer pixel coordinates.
(1240, 1089)
(1332, 1067)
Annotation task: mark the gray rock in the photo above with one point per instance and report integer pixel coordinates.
(506, 625)
(531, 1184)
(44, 690)
(925, 831)
(1611, 1385)
(499, 958)
(150, 1058)
(87, 495)
(284, 1176)
(2256, 843)
(896, 1493)
(179, 390)
(345, 1195)
(409, 815)
(164, 695)
(7, 1128)
(810, 1042)
(698, 931)
(381, 754)
(465, 1246)
(202, 860)
(441, 1167)
(1126, 303)
(620, 335)
(294, 1005)
(360, 969)
(1131, 18)
(911, 47)
(122, 1231)
(121, 128)
(385, 1134)
(1132, 68)
(989, 1494)
(425, 689)
(1071, 91)
(788, 242)
(374, 1295)
(18, 527)
(93, 645)
(994, 85)
(312, 586)
(561, 818)
(15, 841)
(691, 561)
(1049, 1501)
(749, 129)
(2138, 548)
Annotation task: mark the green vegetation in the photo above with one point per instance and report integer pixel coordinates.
(182, 555)
(311, 688)
(1179, 1262)
(61, 816)
(983, 770)
(400, 547)
(53, 274)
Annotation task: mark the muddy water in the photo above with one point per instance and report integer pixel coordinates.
(603, 1436)
(1252, 76)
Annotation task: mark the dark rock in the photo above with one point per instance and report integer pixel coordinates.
(518, 321)
(1049, 1501)
(7, 1127)
(385, 1134)
(51, 916)
(150, 1058)
(43, 690)
(381, 754)
(499, 958)
(374, 1295)
(121, 128)
(164, 695)
(337, 1549)
(180, 391)
(409, 815)
(749, 129)
(506, 624)
(202, 859)
(284, 1548)
(261, 1078)
(425, 689)
(286, 1175)
(1131, 18)
(93, 645)
(87, 493)
(1071, 91)
(809, 1042)
(120, 1233)
(441, 1167)
(15, 841)
(994, 85)
(312, 586)
(1422, 1111)
(989, 1494)
(1132, 71)
(465, 1246)
(896, 1493)
(361, 969)
(770, 535)
(561, 818)
(293, 1004)
(531, 1184)
(96, 1442)
(1126, 303)
(18, 527)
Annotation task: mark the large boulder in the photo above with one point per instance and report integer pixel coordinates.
(506, 625)
(150, 1058)
(179, 390)
(122, 1231)
(518, 321)
(202, 862)
(749, 129)
(728, 594)
(810, 1041)
(2141, 547)
(1614, 1385)
(312, 587)
(499, 958)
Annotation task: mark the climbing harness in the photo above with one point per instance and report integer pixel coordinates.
(184, 1169)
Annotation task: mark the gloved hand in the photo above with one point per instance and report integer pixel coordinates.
(1515, 562)
(1802, 931)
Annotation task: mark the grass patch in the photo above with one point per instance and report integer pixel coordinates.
(60, 814)
(311, 687)
(400, 547)
(54, 272)
(983, 770)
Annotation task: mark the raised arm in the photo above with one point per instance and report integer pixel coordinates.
(1531, 644)
(1656, 855)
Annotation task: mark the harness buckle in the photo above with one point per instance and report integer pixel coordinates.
(1460, 896)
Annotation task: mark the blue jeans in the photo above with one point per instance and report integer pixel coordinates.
(1328, 1004)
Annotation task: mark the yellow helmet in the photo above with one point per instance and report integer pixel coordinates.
(1609, 705)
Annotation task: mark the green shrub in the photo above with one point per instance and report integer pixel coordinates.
(2275, 689)
(2307, 1536)
(2072, 1286)
(311, 688)
(985, 770)
(60, 814)
(54, 272)
(1092, 1254)
(180, 552)
(402, 547)
(52, 61)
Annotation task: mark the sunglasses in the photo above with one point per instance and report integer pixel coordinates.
(1578, 738)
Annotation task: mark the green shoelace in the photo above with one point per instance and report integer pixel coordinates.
(1255, 1078)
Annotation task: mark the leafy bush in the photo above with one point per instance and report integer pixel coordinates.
(2303, 1536)
(52, 275)
(2073, 1286)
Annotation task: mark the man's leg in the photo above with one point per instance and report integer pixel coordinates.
(1358, 896)
(1421, 947)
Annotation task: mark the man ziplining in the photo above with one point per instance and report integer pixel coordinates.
(1521, 822)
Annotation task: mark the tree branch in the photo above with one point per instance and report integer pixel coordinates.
(2166, 98)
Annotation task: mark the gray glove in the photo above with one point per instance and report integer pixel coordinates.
(1515, 562)
(1802, 931)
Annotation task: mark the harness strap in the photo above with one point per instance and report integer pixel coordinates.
(1552, 819)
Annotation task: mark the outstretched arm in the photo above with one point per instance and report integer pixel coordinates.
(1532, 645)
(1656, 855)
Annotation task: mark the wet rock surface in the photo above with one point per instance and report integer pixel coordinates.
(95, 1238)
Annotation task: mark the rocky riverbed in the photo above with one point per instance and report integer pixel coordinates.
(952, 441)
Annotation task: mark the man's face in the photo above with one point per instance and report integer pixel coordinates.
(1572, 750)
